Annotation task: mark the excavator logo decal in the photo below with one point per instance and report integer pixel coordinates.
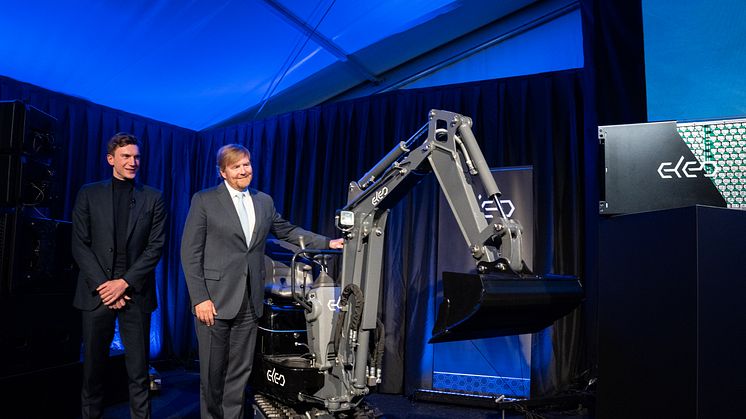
(333, 305)
(275, 377)
(489, 206)
(688, 169)
(379, 196)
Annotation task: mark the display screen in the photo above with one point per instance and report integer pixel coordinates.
(695, 57)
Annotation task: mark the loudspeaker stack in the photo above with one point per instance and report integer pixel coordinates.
(40, 329)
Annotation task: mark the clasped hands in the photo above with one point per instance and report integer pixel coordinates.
(112, 293)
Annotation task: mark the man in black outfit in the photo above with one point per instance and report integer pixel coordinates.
(118, 235)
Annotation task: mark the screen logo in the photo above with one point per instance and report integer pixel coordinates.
(488, 207)
(686, 169)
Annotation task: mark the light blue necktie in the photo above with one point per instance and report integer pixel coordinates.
(243, 215)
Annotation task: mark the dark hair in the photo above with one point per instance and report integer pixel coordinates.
(120, 139)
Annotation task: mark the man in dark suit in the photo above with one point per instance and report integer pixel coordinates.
(118, 235)
(222, 253)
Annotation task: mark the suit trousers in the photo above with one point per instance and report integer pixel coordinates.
(226, 354)
(98, 332)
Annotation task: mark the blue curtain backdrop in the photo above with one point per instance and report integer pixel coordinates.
(83, 128)
(305, 160)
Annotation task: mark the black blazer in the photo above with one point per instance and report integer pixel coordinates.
(93, 243)
(214, 254)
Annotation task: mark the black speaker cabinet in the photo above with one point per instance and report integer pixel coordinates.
(671, 314)
(27, 181)
(24, 128)
(8, 222)
(45, 331)
(27, 148)
(38, 283)
(37, 258)
(54, 392)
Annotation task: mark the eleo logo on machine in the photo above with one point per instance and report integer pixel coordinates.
(380, 194)
(333, 305)
(275, 377)
(489, 206)
(687, 169)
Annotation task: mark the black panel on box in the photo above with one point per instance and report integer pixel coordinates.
(12, 121)
(7, 249)
(24, 128)
(27, 181)
(10, 175)
(52, 392)
(41, 331)
(648, 167)
(670, 318)
(27, 147)
(39, 254)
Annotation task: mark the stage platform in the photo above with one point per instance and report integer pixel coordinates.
(179, 398)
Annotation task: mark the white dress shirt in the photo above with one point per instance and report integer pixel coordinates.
(244, 209)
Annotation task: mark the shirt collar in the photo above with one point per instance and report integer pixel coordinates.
(231, 191)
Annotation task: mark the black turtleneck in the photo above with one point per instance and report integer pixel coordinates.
(122, 204)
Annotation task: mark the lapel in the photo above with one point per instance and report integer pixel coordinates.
(105, 206)
(138, 196)
(226, 201)
(258, 215)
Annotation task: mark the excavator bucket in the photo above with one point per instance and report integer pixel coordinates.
(489, 305)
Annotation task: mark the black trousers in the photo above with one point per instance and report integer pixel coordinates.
(226, 354)
(98, 332)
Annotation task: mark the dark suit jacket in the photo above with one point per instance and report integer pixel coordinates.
(93, 243)
(214, 254)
